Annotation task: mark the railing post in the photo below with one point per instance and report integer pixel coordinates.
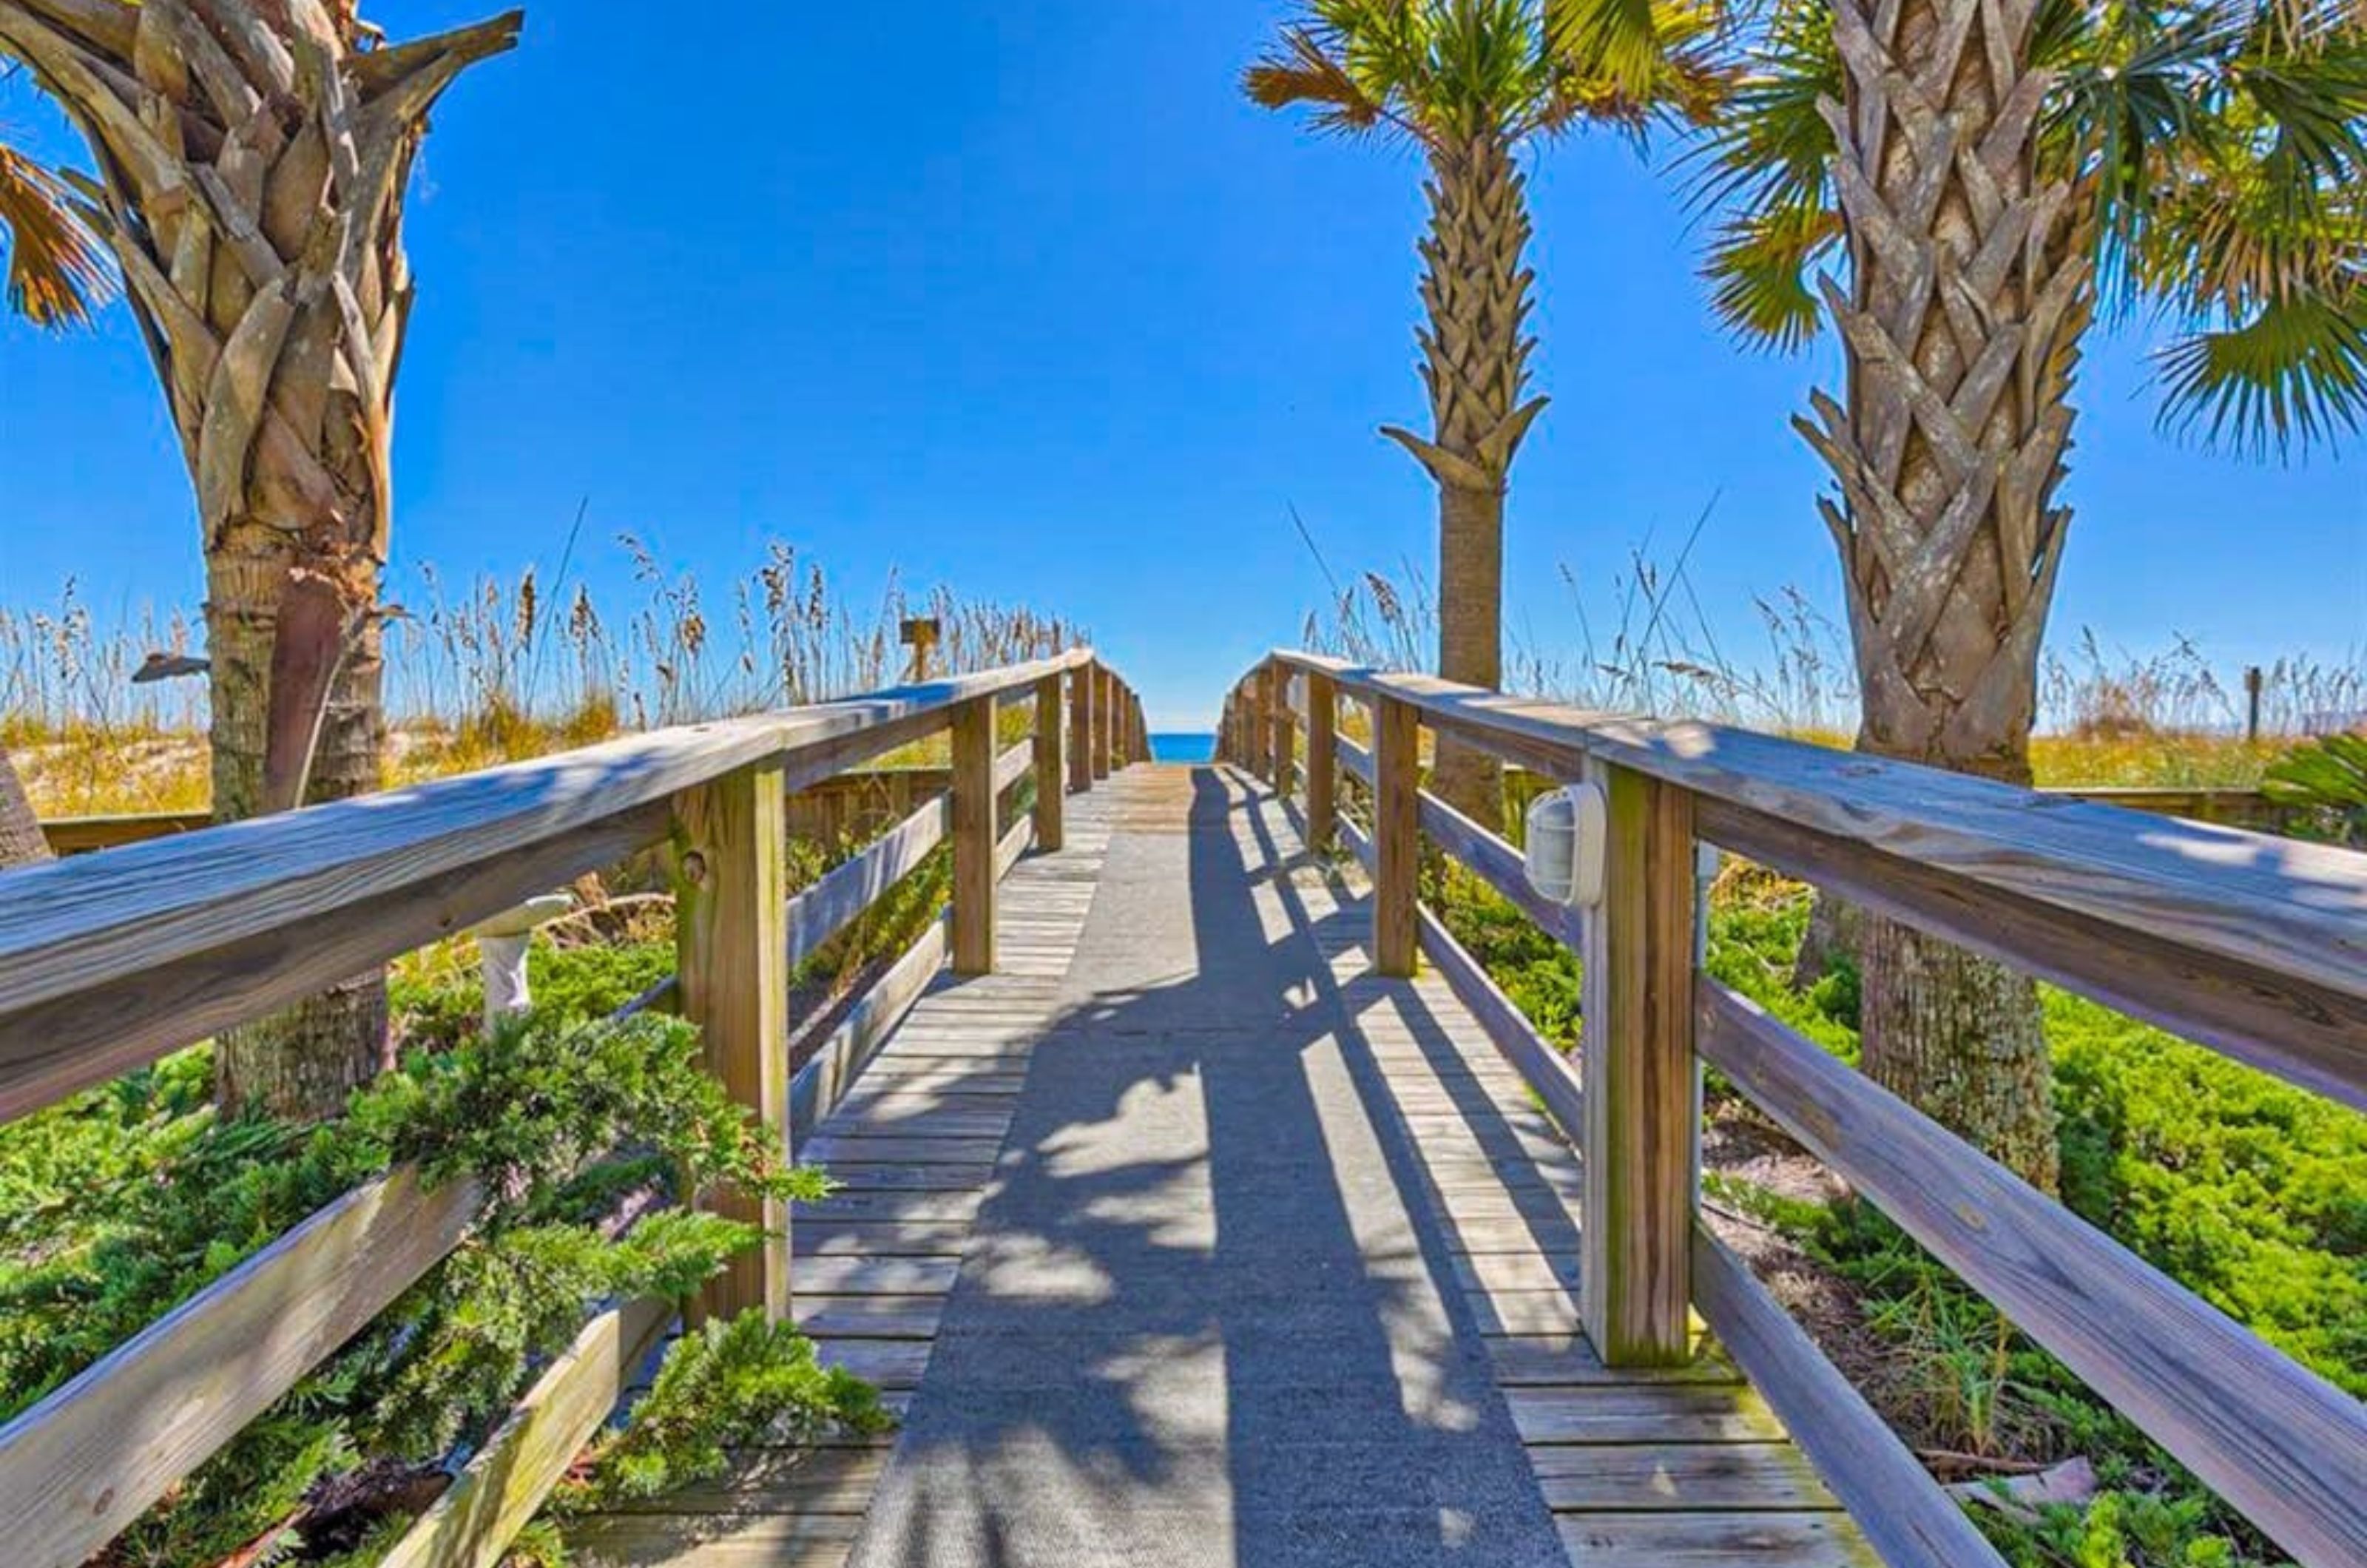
(1285, 730)
(1322, 761)
(1641, 1154)
(974, 836)
(1081, 729)
(1261, 722)
(1097, 684)
(1049, 798)
(1396, 834)
(1114, 732)
(732, 896)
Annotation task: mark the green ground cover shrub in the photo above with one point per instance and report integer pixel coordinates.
(121, 1203)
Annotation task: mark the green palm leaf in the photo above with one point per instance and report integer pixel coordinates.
(2293, 374)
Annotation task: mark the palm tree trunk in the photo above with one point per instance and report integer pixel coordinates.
(254, 164)
(1475, 363)
(21, 842)
(1961, 327)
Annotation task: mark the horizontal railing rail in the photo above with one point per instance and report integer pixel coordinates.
(109, 960)
(2252, 944)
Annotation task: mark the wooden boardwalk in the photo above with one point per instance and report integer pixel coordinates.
(1660, 1469)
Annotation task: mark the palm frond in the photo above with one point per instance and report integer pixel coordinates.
(58, 274)
(1302, 74)
(1760, 268)
(2290, 376)
(1764, 166)
(1614, 42)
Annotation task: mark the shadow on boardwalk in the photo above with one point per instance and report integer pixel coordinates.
(1208, 1313)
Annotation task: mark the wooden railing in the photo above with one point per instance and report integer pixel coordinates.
(2253, 946)
(109, 960)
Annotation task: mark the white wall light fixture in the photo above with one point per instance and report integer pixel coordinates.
(1567, 833)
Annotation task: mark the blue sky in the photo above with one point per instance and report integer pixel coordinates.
(1027, 299)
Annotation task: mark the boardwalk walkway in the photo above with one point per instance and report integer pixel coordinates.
(1184, 1239)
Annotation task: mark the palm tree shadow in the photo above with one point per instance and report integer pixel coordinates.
(1207, 1299)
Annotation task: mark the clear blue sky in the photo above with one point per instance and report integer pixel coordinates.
(1027, 299)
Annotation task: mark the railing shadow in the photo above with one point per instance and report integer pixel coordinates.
(1208, 1298)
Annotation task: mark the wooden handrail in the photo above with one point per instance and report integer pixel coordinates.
(225, 924)
(109, 960)
(2254, 945)
(2280, 1443)
(2258, 945)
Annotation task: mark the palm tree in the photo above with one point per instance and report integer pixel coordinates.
(252, 164)
(1470, 83)
(1985, 179)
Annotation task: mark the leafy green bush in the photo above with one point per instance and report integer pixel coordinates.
(2326, 783)
(730, 1385)
(439, 1005)
(2249, 1191)
(175, 1197)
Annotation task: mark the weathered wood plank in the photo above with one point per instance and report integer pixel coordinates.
(1893, 1499)
(1283, 745)
(713, 1541)
(1567, 1359)
(1322, 763)
(840, 1059)
(869, 1317)
(1680, 1478)
(1011, 766)
(1642, 1412)
(974, 794)
(84, 835)
(842, 895)
(1712, 1541)
(2285, 1446)
(1397, 838)
(222, 925)
(731, 865)
(473, 1523)
(1080, 730)
(1051, 779)
(2274, 1020)
(88, 1460)
(1640, 1104)
(2256, 944)
(879, 1276)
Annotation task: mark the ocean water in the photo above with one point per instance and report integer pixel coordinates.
(1183, 748)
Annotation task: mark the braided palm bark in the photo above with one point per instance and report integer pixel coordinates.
(252, 156)
(1475, 365)
(1967, 294)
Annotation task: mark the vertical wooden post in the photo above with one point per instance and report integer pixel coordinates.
(1286, 733)
(1081, 729)
(1050, 782)
(1097, 683)
(1112, 736)
(1261, 722)
(974, 836)
(1639, 1075)
(1396, 834)
(1322, 761)
(731, 866)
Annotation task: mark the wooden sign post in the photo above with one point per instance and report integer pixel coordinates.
(921, 635)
